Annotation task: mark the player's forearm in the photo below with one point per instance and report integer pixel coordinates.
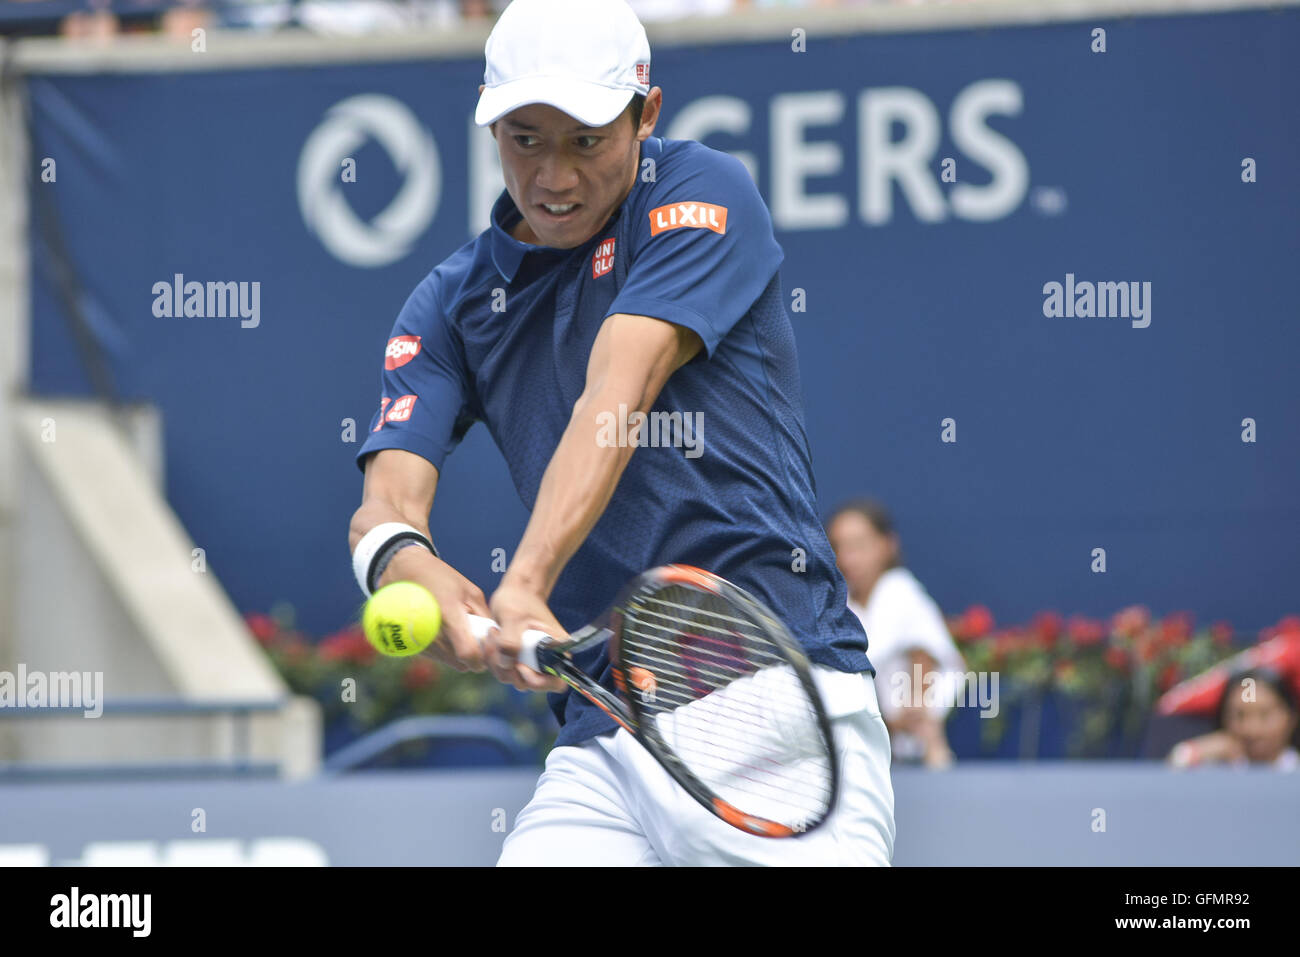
(576, 488)
(376, 511)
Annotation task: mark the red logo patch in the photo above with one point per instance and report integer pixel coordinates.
(694, 215)
(643, 73)
(602, 261)
(401, 410)
(383, 404)
(400, 351)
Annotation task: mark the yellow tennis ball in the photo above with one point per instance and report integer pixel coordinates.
(401, 619)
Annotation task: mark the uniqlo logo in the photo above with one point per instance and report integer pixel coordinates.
(602, 261)
(383, 404)
(400, 351)
(401, 410)
(643, 73)
(697, 215)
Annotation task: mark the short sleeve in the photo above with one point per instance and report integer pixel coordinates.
(703, 248)
(425, 402)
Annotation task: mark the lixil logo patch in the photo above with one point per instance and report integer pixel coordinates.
(698, 215)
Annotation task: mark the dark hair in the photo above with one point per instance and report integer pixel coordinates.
(1268, 676)
(877, 515)
(636, 106)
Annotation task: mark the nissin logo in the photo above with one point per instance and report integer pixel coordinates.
(697, 215)
(400, 351)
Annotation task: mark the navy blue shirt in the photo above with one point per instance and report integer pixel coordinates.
(501, 333)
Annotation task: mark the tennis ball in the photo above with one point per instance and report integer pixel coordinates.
(401, 619)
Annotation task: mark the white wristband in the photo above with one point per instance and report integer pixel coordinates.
(375, 541)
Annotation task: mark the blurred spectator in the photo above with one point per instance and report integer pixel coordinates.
(355, 17)
(183, 19)
(1257, 724)
(647, 11)
(904, 629)
(97, 24)
(768, 4)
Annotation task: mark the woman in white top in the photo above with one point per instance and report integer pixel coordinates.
(1258, 726)
(905, 631)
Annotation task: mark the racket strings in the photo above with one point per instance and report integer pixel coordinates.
(659, 653)
(696, 617)
(725, 701)
(773, 777)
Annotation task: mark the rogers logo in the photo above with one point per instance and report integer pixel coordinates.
(400, 351)
(401, 410)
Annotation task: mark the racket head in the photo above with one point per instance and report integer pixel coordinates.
(723, 696)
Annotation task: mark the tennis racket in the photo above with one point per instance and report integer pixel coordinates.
(716, 689)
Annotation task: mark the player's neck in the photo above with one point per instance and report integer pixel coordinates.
(523, 233)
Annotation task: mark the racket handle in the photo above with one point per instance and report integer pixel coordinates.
(480, 626)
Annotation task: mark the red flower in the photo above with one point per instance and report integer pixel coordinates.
(1117, 658)
(1010, 641)
(1047, 628)
(347, 645)
(1168, 677)
(1176, 628)
(420, 673)
(263, 627)
(1221, 633)
(1147, 648)
(1131, 621)
(976, 622)
(1084, 631)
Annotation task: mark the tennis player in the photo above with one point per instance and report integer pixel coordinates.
(623, 275)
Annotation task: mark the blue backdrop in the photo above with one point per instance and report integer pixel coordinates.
(924, 298)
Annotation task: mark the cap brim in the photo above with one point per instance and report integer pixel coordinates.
(588, 103)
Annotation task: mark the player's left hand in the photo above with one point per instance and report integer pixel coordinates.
(515, 610)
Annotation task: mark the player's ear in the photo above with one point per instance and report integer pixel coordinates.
(650, 113)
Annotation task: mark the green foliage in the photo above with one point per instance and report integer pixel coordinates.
(352, 681)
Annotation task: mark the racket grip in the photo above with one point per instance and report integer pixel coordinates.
(480, 626)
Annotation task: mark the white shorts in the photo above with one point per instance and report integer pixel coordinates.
(607, 802)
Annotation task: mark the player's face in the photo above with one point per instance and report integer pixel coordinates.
(861, 552)
(551, 160)
(1264, 726)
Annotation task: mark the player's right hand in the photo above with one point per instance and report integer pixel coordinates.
(456, 595)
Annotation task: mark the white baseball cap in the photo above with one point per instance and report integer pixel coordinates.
(584, 57)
